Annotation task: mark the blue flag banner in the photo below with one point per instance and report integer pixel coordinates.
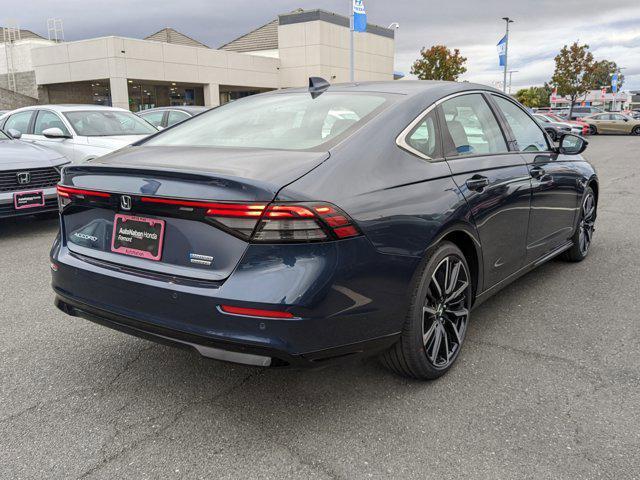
(614, 83)
(359, 16)
(502, 51)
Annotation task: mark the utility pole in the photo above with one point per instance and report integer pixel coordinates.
(351, 53)
(506, 54)
(511, 72)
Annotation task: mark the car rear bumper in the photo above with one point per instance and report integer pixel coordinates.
(7, 208)
(224, 350)
(347, 299)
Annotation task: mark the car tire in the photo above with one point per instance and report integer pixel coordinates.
(583, 235)
(636, 130)
(437, 319)
(593, 130)
(553, 135)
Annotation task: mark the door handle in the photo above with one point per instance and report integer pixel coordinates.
(477, 182)
(537, 172)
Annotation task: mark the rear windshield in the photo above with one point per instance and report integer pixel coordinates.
(290, 121)
(97, 123)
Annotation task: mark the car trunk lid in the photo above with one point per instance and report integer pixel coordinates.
(147, 207)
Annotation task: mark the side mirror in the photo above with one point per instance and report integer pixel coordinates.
(572, 145)
(54, 132)
(13, 133)
(626, 119)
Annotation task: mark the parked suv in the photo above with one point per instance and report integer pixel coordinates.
(579, 112)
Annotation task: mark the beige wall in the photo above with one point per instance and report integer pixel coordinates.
(313, 48)
(20, 54)
(118, 59)
(321, 48)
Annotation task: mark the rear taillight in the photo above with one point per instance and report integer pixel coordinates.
(255, 221)
(68, 192)
(284, 222)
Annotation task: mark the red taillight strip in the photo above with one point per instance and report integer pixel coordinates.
(213, 209)
(68, 191)
(288, 211)
(255, 312)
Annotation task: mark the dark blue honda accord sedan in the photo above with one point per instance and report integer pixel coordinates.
(304, 226)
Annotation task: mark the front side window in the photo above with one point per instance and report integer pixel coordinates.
(45, 120)
(154, 118)
(287, 121)
(176, 116)
(101, 123)
(529, 135)
(424, 137)
(471, 127)
(19, 121)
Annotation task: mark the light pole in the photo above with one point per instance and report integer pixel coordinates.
(506, 54)
(511, 72)
(396, 27)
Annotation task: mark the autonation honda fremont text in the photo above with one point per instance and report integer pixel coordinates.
(305, 226)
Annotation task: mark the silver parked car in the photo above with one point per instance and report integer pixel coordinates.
(163, 117)
(79, 132)
(28, 177)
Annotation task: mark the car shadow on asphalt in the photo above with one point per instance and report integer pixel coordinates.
(27, 226)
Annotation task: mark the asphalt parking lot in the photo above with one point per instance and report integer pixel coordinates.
(547, 386)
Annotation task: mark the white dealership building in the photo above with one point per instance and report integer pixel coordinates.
(170, 68)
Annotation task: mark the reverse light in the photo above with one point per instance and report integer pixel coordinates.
(255, 312)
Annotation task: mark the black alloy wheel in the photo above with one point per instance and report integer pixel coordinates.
(593, 130)
(636, 130)
(445, 312)
(583, 236)
(438, 317)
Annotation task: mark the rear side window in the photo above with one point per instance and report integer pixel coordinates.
(46, 120)
(154, 118)
(176, 116)
(470, 127)
(424, 137)
(19, 121)
(529, 135)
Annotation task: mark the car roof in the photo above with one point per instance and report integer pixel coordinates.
(184, 108)
(61, 108)
(400, 87)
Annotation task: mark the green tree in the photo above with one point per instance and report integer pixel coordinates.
(534, 97)
(574, 65)
(601, 73)
(439, 63)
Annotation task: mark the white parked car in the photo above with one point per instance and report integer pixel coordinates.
(79, 132)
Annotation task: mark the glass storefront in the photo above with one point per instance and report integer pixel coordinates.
(143, 96)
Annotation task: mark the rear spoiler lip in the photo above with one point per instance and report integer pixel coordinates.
(262, 191)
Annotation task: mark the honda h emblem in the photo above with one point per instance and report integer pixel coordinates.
(125, 202)
(23, 177)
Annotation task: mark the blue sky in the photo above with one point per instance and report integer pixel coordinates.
(541, 27)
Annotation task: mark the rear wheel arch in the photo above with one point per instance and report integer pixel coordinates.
(471, 250)
(470, 246)
(593, 183)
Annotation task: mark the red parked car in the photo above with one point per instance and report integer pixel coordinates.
(584, 125)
